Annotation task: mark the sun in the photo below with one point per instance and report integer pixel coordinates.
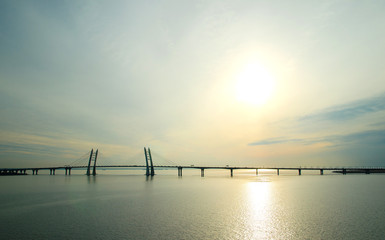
(254, 85)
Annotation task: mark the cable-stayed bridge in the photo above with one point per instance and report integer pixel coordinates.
(94, 159)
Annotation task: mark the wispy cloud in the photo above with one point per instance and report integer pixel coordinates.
(370, 137)
(60, 149)
(271, 141)
(348, 111)
(34, 149)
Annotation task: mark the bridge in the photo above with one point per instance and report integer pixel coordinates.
(150, 167)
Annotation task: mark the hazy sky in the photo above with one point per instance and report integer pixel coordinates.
(181, 77)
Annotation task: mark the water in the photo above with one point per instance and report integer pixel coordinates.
(114, 205)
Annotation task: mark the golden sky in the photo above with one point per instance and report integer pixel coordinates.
(273, 83)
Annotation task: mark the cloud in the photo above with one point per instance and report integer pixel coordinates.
(33, 149)
(271, 141)
(369, 137)
(348, 111)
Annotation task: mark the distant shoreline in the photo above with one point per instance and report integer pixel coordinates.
(362, 171)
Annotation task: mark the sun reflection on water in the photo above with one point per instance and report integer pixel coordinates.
(259, 210)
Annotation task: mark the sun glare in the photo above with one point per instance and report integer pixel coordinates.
(254, 84)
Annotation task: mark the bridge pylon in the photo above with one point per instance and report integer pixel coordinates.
(93, 158)
(96, 157)
(149, 168)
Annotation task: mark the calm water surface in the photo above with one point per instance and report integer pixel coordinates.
(121, 206)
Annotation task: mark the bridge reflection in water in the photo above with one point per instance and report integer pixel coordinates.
(150, 168)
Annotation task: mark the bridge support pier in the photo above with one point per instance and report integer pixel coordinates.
(256, 171)
(231, 172)
(278, 171)
(321, 172)
(299, 171)
(180, 171)
(148, 157)
(202, 172)
(344, 171)
(151, 163)
(367, 171)
(147, 167)
(93, 157)
(96, 157)
(89, 164)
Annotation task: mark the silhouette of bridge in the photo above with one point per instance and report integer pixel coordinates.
(150, 167)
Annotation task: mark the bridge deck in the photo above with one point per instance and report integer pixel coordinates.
(203, 167)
